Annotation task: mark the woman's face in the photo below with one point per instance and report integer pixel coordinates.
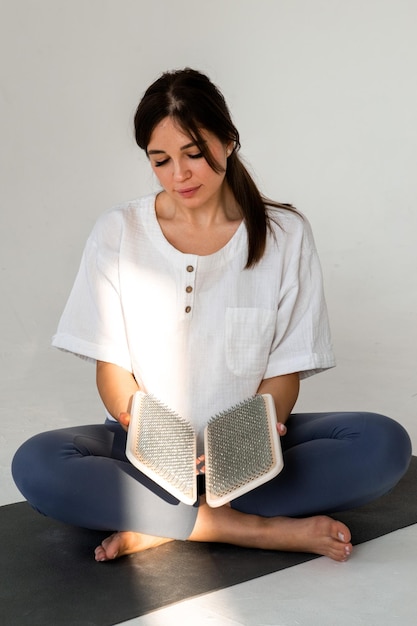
(182, 170)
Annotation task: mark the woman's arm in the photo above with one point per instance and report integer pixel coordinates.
(284, 390)
(116, 387)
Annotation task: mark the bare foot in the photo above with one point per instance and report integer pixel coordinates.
(317, 535)
(122, 543)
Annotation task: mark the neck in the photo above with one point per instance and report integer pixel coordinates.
(223, 208)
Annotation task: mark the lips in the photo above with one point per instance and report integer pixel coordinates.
(188, 192)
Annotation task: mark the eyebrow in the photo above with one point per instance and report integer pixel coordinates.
(188, 145)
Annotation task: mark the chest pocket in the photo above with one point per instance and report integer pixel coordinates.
(249, 333)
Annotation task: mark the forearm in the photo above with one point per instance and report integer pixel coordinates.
(116, 387)
(284, 390)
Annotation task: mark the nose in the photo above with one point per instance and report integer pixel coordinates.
(181, 171)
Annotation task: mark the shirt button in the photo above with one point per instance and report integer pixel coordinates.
(187, 309)
(188, 289)
(190, 268)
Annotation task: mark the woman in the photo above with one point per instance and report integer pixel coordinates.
(203, 295)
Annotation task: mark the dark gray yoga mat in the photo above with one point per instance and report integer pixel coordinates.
(49, 576)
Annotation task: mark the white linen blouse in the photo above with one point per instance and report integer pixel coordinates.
(198, 332)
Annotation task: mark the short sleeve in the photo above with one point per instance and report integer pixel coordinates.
(92, 324)
(302, 340)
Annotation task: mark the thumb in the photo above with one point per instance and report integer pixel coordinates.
(124, 419)
(282, 429)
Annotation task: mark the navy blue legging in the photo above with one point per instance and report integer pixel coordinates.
(332, 462)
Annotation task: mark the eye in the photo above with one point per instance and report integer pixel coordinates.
(196, 156)
(159, 163)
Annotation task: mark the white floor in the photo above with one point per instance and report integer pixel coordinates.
(378, 586)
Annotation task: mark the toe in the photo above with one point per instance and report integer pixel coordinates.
(100, 554)
(341, 532)
(108, 550)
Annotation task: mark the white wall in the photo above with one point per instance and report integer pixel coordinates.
(324, 93)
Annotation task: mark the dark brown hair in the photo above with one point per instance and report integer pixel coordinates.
(195, 103)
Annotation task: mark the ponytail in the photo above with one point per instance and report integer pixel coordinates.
(253, 206)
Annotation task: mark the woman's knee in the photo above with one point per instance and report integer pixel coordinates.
(40, 462)
(388, 442)
(27, 465)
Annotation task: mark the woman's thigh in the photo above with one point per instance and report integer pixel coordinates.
(332, 461)
(81, 476)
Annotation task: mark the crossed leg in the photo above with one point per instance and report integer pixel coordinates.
(318, 534)
(332, 462)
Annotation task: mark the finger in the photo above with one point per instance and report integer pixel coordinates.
(282, 429)
(124, 419)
